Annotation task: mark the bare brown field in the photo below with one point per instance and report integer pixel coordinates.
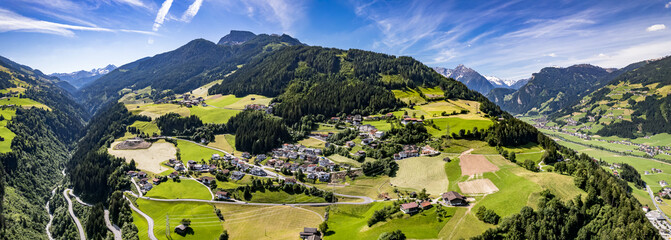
(148, 159)
(479, 186)
(473, 164)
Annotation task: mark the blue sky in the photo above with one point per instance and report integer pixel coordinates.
(507, 39)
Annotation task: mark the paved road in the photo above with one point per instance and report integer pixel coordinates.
(366, 200)
(654, 202)
(115, 230)
(80, 228)
(136, 186)
(150, 221)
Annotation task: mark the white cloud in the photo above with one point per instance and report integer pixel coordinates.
(150, 41)
(656, 27)
(10, 21)
(192, 10)
(550, 55)
(160, 16)
(668, 5)
(284, 12)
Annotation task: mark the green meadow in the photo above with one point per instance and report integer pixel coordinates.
(204, 222)
(350, 222)
(185, 189)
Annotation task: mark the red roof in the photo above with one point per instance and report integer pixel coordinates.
(425, 204)
(409, 205)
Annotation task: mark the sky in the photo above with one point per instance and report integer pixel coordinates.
(508, 39)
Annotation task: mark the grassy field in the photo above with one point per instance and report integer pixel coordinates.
(142, 226)
(204, 221)
(531, 151)
(409, 96)
(364, 186)
(225, 142)
(283, 197)
(313, 143)
(453, 172)
(213, 115)
(456, 123)
(350, 222)
(23, 102)
(463, 225)
(187, 188)
(148, 128)
(461, 145)
(157, 110)
(246, 100)
(422, 172)
(192, 151)
(8, 135)
(268, 222)
(341, 159)
(435, 109)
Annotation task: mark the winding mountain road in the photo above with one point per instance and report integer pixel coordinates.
(115, 230)
(150, 221)
(80, 228)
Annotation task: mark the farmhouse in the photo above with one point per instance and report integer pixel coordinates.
(453, 198)
(258, 172)
(223, 195)
(310, 234)
(206, 179)
(181, 229)
(237, 175)
(409, 208)
(425, 205)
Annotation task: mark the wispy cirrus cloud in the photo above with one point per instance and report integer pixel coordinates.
(507, 39)
(192, 11)
(10, 21)
(160, 16)
(283, 12)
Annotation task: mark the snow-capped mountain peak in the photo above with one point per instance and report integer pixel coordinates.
(500, 82)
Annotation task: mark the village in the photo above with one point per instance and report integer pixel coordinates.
(650, 151)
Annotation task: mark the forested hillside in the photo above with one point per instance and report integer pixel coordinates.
(315, 80)
(180, 70)
(635, 104)
(44, 135)
(554, 88)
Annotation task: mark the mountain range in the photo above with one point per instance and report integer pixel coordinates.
(79, 79)
(477, 81)
(554, 88)
(185, 68)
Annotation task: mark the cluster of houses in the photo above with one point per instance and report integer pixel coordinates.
(407, 120)
(658, 220)
(649, 150)
(415, 151)
(143, 181)
(260, 107)
(187, 101)
(357, 119)
(652, 171)
(314, 166)
(664, 193)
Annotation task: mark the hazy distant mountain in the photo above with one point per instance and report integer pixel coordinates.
(519, 83)
(81, 78)
(470, 77)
